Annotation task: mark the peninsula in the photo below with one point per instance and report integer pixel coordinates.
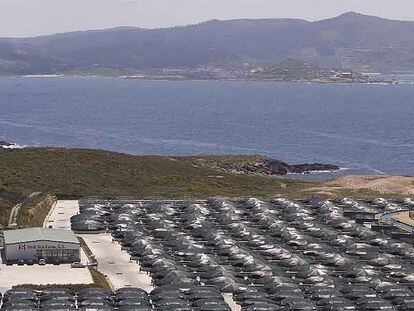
(73, 173)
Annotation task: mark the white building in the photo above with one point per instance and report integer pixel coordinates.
(41, 243)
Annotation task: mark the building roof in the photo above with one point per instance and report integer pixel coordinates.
(39, 234)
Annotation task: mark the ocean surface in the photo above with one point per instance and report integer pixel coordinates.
(362, 128)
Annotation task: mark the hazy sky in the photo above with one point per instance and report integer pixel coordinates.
(35, 17)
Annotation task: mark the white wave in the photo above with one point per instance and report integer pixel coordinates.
(13, 146)
(43, 76)
(314, 172)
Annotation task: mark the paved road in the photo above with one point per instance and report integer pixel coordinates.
(60, 214)
(115, 263)
(399, 219)
(231, 302)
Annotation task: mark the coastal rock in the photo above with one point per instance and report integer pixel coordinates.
(270, 167)
(5, 144)
(304, 168)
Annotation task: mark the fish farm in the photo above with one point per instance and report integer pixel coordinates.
(124, 299)
(268, 255)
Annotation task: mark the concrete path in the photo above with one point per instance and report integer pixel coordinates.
(115, 263)
(399, 219)
(405, 218)
(230, 301)
(15, 212)
(13, 216)
(60, 214)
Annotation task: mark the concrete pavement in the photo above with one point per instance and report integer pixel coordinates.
(42, 275)
(231, 302)
(60, 214)
(115, 263)
(49, 274)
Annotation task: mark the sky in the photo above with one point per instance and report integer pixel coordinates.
(20, 18)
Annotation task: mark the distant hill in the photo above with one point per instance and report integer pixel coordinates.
(350, 41)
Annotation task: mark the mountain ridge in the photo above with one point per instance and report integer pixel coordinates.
(351, 41)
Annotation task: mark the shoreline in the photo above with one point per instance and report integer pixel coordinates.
(319, 172)
(8, 145)
(166, 79)
(265, 166)
(313, 175)
(80, 172)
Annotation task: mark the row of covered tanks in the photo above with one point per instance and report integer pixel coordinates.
(274, 255)
(180, 298)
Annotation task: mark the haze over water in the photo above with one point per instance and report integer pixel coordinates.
(364, 128)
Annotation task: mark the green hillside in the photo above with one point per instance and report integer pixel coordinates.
(100, 173)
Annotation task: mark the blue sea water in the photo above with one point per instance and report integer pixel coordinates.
(362, 128)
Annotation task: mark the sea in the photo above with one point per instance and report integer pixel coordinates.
(363, 128)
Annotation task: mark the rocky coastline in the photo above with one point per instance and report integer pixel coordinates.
(257, 165)
(272, 167)
(5, 144)
(8, 145)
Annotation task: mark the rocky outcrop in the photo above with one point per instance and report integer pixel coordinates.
(5, 144)
(304, 168)
(272, 167)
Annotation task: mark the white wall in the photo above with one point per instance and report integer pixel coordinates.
(27, 251)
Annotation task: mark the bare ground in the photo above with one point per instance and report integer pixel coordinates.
(379, 184)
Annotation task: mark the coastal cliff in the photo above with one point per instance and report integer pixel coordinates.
(260, 165)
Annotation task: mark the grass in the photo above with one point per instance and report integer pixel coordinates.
(34, 210)
(78, 172)
(75, 287)
(99, 279)
(7, 200)
(85, 247)
(101, 173)
(213, 160)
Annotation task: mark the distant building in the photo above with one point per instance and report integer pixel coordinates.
(52, 245)
(347, 75)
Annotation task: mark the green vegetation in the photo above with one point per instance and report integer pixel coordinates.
(34, 210)
(85, 247)
(352, 40)
(101, 173)
(214, 160)
(7, 200)
(74, 173)
(99, 279)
